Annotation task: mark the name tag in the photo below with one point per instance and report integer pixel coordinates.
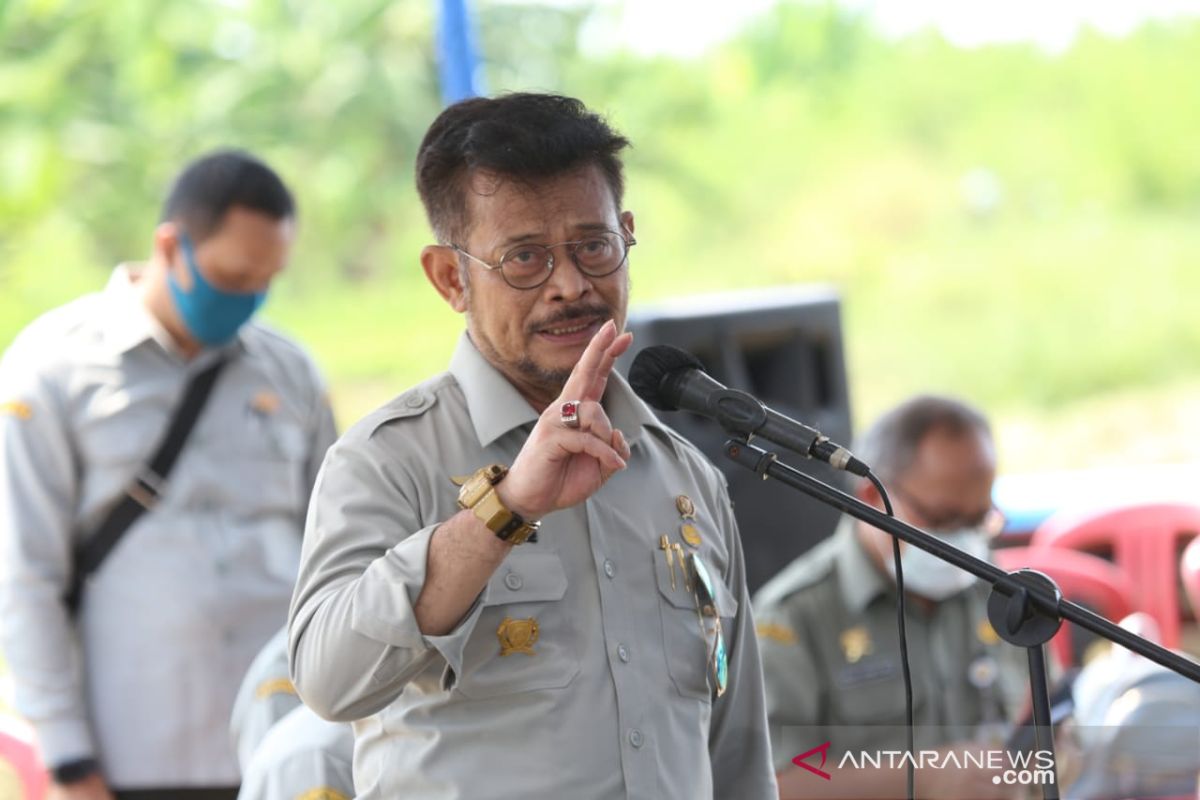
(866, 671)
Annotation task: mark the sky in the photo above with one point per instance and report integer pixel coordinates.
(685, 29)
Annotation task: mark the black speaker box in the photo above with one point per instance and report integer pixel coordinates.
(784, 346)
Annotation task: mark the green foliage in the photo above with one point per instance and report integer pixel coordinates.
(1009, 225)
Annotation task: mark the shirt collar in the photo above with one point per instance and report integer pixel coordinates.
(130, 323)
(859, 578)
(496, 407)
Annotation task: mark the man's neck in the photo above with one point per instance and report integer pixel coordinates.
(156, 297)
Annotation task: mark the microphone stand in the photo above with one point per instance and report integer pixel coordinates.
(1026, 607)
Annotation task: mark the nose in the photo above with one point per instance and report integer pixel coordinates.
(567, 283)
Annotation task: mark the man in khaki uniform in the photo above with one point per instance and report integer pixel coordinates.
(828, 631)
(610, 656)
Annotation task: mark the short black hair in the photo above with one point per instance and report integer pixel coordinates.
(214, 183)
(520, 136)
(890, 445)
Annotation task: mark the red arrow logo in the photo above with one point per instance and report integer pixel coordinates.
(823, 749)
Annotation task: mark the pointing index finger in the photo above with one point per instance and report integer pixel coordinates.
(592, 365)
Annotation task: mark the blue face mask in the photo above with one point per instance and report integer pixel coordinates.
(211, 315)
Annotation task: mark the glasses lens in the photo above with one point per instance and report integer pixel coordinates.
(527, 265)
(721, 661)
(601, 254)
(720, 658)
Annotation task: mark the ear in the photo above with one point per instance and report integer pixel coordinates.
(627, 221)
(166, 243)
(167, 253)
(440, 263)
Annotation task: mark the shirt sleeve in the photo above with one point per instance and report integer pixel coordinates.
(738, 743)
(38, 495)
(323, 431)
(316, 766)
(354, 639)
(792, 684)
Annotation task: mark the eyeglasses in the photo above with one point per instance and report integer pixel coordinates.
(528, 266)
(990, 521)
(706, 608)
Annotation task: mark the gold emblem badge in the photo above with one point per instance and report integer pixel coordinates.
(15, 408)
(323, 793)
(687, 509)
(986, 633)
(856, 643)
(274, 686)
(517, 635)
(265, 402)
(775, 632)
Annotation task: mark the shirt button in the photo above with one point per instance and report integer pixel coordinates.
(513, 581)
(635, 738)
(415, 401)
(623, 653)
(610, 569)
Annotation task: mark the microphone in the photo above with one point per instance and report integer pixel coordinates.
(671, 379)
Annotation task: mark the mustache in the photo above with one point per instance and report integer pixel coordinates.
(603, 313)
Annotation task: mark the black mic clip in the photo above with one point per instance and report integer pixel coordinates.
(738, 412)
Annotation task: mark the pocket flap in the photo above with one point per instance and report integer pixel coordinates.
(525, 577)
(679, 595)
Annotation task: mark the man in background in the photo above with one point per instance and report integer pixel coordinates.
(129, 676)
(828, 631)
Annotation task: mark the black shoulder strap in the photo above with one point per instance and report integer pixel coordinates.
(142, 495)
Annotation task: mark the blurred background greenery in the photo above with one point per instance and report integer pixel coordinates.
(1014, 225)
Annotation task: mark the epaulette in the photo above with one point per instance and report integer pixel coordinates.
(805, 571)
(410, 403)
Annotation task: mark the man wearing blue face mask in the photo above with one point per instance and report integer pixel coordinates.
(126, 657)
(828, 633)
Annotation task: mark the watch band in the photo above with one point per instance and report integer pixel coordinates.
(478, 493)
(74, 771)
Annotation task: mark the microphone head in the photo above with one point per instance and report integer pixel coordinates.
(652, 365)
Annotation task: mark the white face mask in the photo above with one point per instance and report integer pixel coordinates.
(927, 575)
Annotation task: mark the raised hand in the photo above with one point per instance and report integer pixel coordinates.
(561, 466)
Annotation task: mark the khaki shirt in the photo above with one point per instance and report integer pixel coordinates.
(302, 757)
(831, 658)
(145, 678)
(611, 699)
(265, 697)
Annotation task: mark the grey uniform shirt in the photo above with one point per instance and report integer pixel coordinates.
(145, 678)
(302, 757)
(831, 658)
(611, 700)
(265, 697)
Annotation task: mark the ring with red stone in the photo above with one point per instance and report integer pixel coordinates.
(569, 413)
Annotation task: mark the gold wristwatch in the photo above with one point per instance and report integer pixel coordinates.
(478, 493)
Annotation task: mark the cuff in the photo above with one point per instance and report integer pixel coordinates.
(383, 602)
(64, 741)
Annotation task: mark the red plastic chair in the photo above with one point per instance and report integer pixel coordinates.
(1144, 541)
(1083, 578)
(1189, 571)
(21, 772)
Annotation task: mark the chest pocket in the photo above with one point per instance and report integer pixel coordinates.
(262, 457)
(688, 645)
(524, 640)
